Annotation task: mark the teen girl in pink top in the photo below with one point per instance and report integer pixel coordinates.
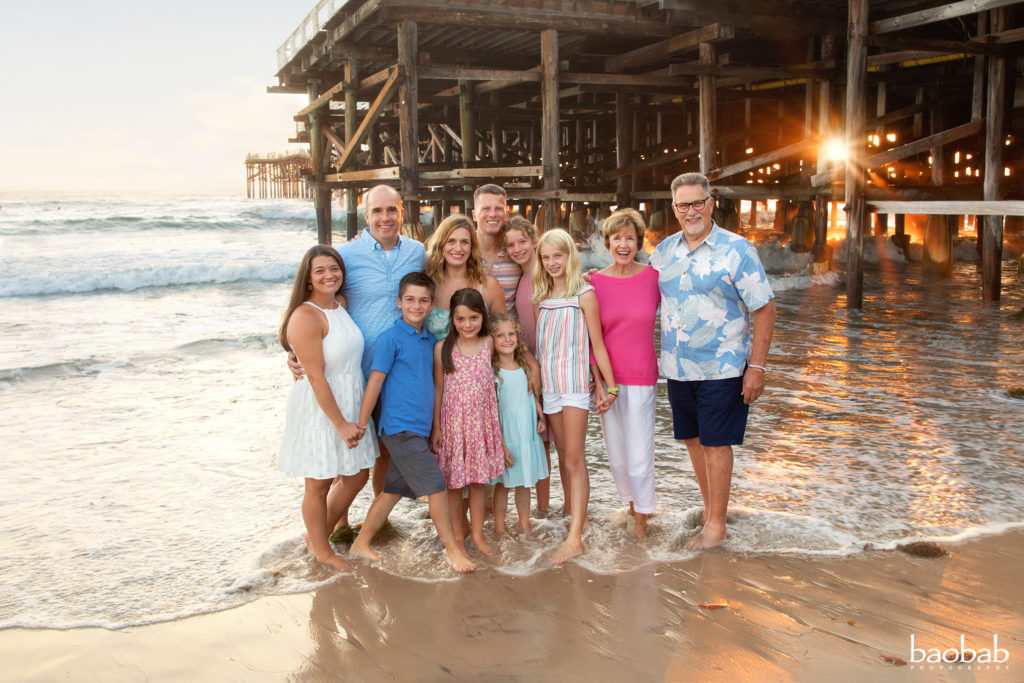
(628, 297)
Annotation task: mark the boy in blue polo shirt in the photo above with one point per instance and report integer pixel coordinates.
(402, 373)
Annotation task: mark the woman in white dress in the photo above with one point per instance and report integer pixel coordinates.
(322, 440)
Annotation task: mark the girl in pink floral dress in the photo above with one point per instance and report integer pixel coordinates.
(466, 436)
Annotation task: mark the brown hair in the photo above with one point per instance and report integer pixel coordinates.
(474, 301)
(301, 286)
(435, 265)
(523, 225)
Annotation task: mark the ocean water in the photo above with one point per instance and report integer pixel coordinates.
(142, 394)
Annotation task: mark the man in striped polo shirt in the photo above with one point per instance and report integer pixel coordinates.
(490, 211)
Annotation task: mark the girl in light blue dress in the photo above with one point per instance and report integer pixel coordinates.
(522, 419)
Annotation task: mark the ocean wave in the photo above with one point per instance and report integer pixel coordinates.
(131, 279)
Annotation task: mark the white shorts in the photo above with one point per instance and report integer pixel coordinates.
(553, 403)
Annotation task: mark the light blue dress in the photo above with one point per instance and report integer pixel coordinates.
(519, 429)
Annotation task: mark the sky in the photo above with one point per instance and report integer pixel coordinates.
(112, 95)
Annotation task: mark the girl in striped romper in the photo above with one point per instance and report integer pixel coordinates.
(568, 325)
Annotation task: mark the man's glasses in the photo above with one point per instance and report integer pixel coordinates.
(683, 207)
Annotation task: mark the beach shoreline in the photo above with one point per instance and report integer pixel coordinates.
(782, 617)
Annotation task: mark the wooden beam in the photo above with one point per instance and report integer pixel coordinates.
(454, 72)
(935, 14)
(924, 144)
(383, 98)
(755, 73)
(563, 16)
(706, 105)
(375, 79)
(856, 81)
(903, 151)
(759, 160)
(995, 134)
(387, 173)
(970, 47)
(549, 129)
(320, 101)
(950, 208)
(623, 147)
(674, 45)
(337, 143)
(408, 122)
(486, 172)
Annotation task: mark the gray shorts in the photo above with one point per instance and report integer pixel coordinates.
(413, 471)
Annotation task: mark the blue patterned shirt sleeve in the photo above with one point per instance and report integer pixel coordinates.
(707, 294)
(371, 284)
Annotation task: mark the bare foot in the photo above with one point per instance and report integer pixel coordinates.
(639, 524)
(332, 560)
(567, 551)
(459, 562)
(481, 544)
(364, 550)
(524, 525)
(707, 538)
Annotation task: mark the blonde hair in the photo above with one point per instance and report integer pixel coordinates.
(542, 282)
(624, 218)
(435, 265)
(521, 352)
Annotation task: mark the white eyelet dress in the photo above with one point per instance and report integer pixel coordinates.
(311, 446)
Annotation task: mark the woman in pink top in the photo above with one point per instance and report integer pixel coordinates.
(628, 297)
(520, 238)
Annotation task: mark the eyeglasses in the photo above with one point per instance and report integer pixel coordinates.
(683, 207)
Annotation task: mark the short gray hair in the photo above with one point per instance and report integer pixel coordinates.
(690, 179)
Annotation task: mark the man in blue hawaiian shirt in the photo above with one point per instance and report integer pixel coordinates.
(712, 285)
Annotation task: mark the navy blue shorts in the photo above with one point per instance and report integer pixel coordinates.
(712, 410)
(413, 470)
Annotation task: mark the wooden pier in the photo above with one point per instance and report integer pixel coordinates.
(574, 106)
(278, 175)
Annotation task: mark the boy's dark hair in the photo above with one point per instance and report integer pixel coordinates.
(416, 279)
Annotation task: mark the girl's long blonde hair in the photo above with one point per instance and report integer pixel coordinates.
(435, 265)
(520, 354)
(542, 282)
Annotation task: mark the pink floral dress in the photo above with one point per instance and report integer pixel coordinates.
(471, 450)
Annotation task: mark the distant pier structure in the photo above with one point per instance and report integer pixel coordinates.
(885, 107)
(278, 175)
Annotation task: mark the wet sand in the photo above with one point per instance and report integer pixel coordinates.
(784, 618)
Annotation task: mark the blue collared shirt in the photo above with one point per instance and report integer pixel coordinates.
(371, 284)
(407, 399)
(706, 296)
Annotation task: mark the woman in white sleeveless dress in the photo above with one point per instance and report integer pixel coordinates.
(322, 441)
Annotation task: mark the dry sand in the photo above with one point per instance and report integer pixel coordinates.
(784, 618)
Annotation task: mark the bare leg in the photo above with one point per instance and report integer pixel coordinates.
(556, 428)
(574, 433)
(543, 486)
(476, 517)
(500, 508)
(340, 497)
(455, 509)
(378, 513)
(380, 469)
(441, 516)
(314, 514)
(717, 473)
(523, 507)
(700, 471)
